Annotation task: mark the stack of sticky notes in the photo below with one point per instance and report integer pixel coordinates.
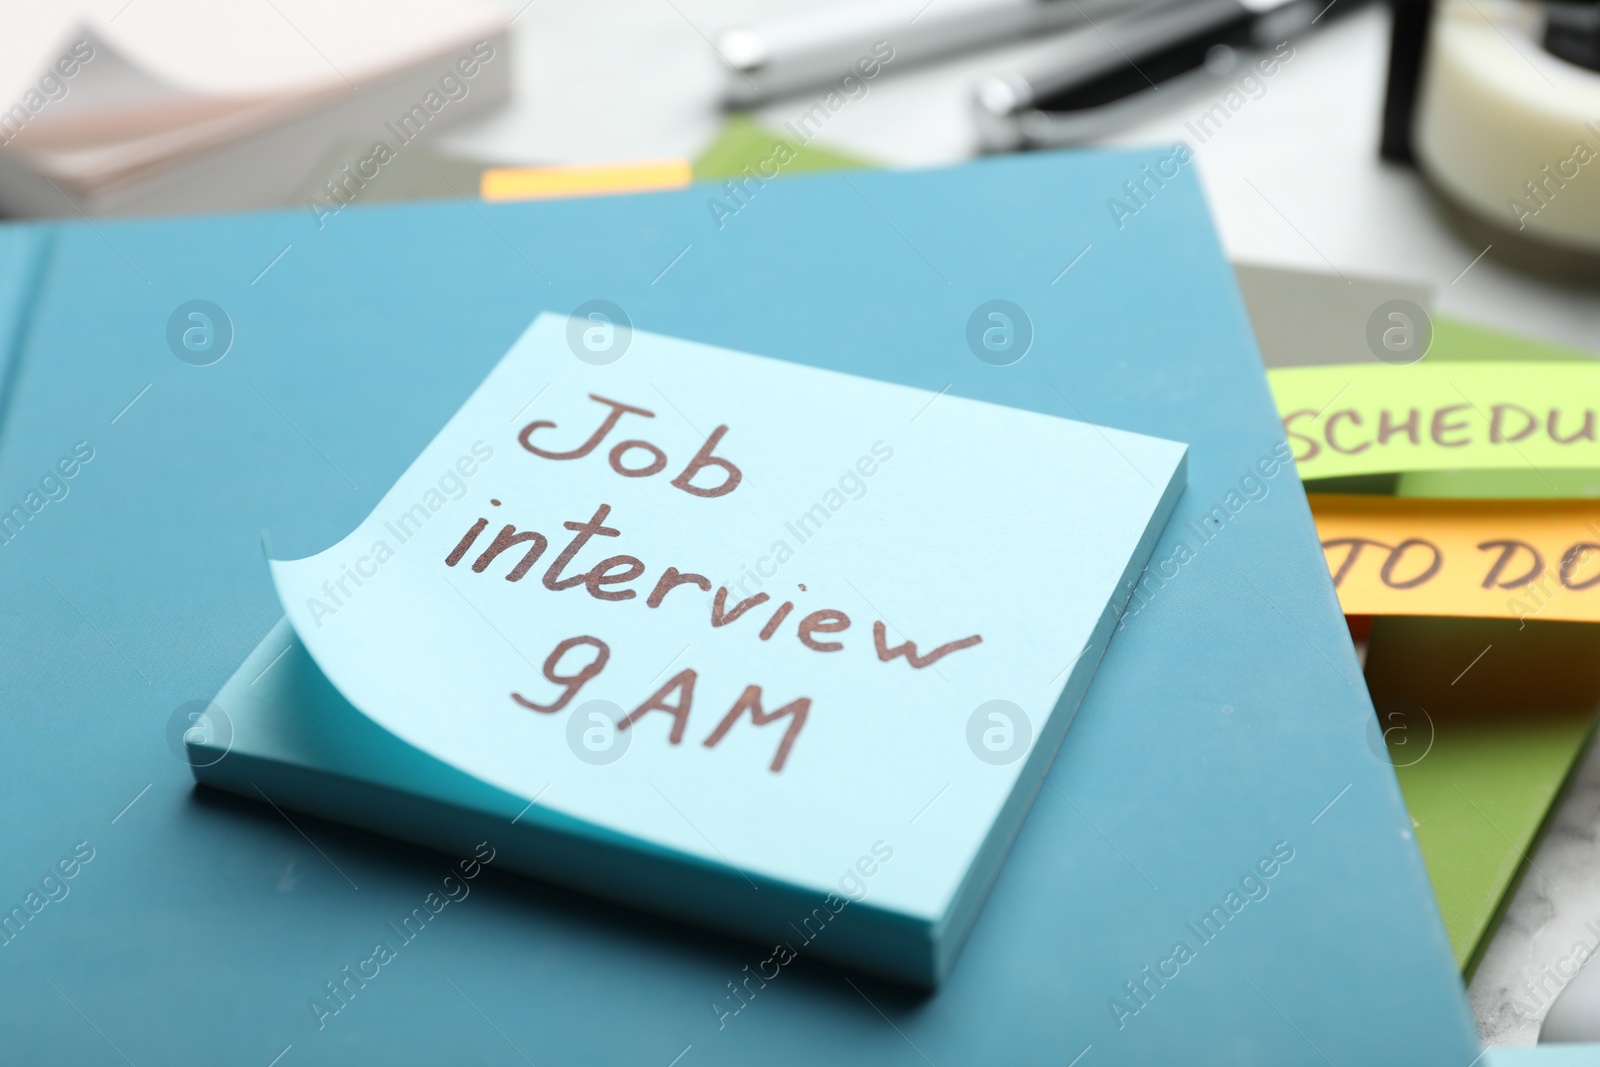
(1453, 473)
(676, 595)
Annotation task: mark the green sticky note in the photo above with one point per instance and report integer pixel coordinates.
(767, 153)
(1440, 415)
(1459, 341)
(1454, 340)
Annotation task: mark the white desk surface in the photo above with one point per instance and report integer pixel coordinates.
(1293, 179)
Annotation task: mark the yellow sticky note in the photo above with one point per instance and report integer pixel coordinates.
(1373, 418)
(548, 183)
(1483, 558)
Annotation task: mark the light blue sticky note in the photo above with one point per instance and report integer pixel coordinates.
(763, 617)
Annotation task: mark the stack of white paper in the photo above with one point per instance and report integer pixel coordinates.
(149, 106)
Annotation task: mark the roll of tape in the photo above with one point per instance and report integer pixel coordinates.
(1507, 130)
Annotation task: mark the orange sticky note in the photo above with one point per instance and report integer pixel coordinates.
(1515, 559)
(549, 183)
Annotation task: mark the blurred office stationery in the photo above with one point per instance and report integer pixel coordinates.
(1497, 104)
(1101, 78)
(1263, 817)
(1575, 1014)
(419, 173)
(182, 106)
(1410, 21)
(823, 45)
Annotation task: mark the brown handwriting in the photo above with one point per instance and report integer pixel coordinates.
(705, 458)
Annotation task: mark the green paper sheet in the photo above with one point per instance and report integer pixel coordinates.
(1481, 761)
(745, 143)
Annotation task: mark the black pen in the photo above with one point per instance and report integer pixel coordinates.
(1097, 80)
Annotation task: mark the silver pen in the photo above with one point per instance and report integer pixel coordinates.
(1095, 81)
(819, 47)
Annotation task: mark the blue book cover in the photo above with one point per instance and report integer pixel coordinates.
(1217, 867)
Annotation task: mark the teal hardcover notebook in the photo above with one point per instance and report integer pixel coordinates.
(1217, 868)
